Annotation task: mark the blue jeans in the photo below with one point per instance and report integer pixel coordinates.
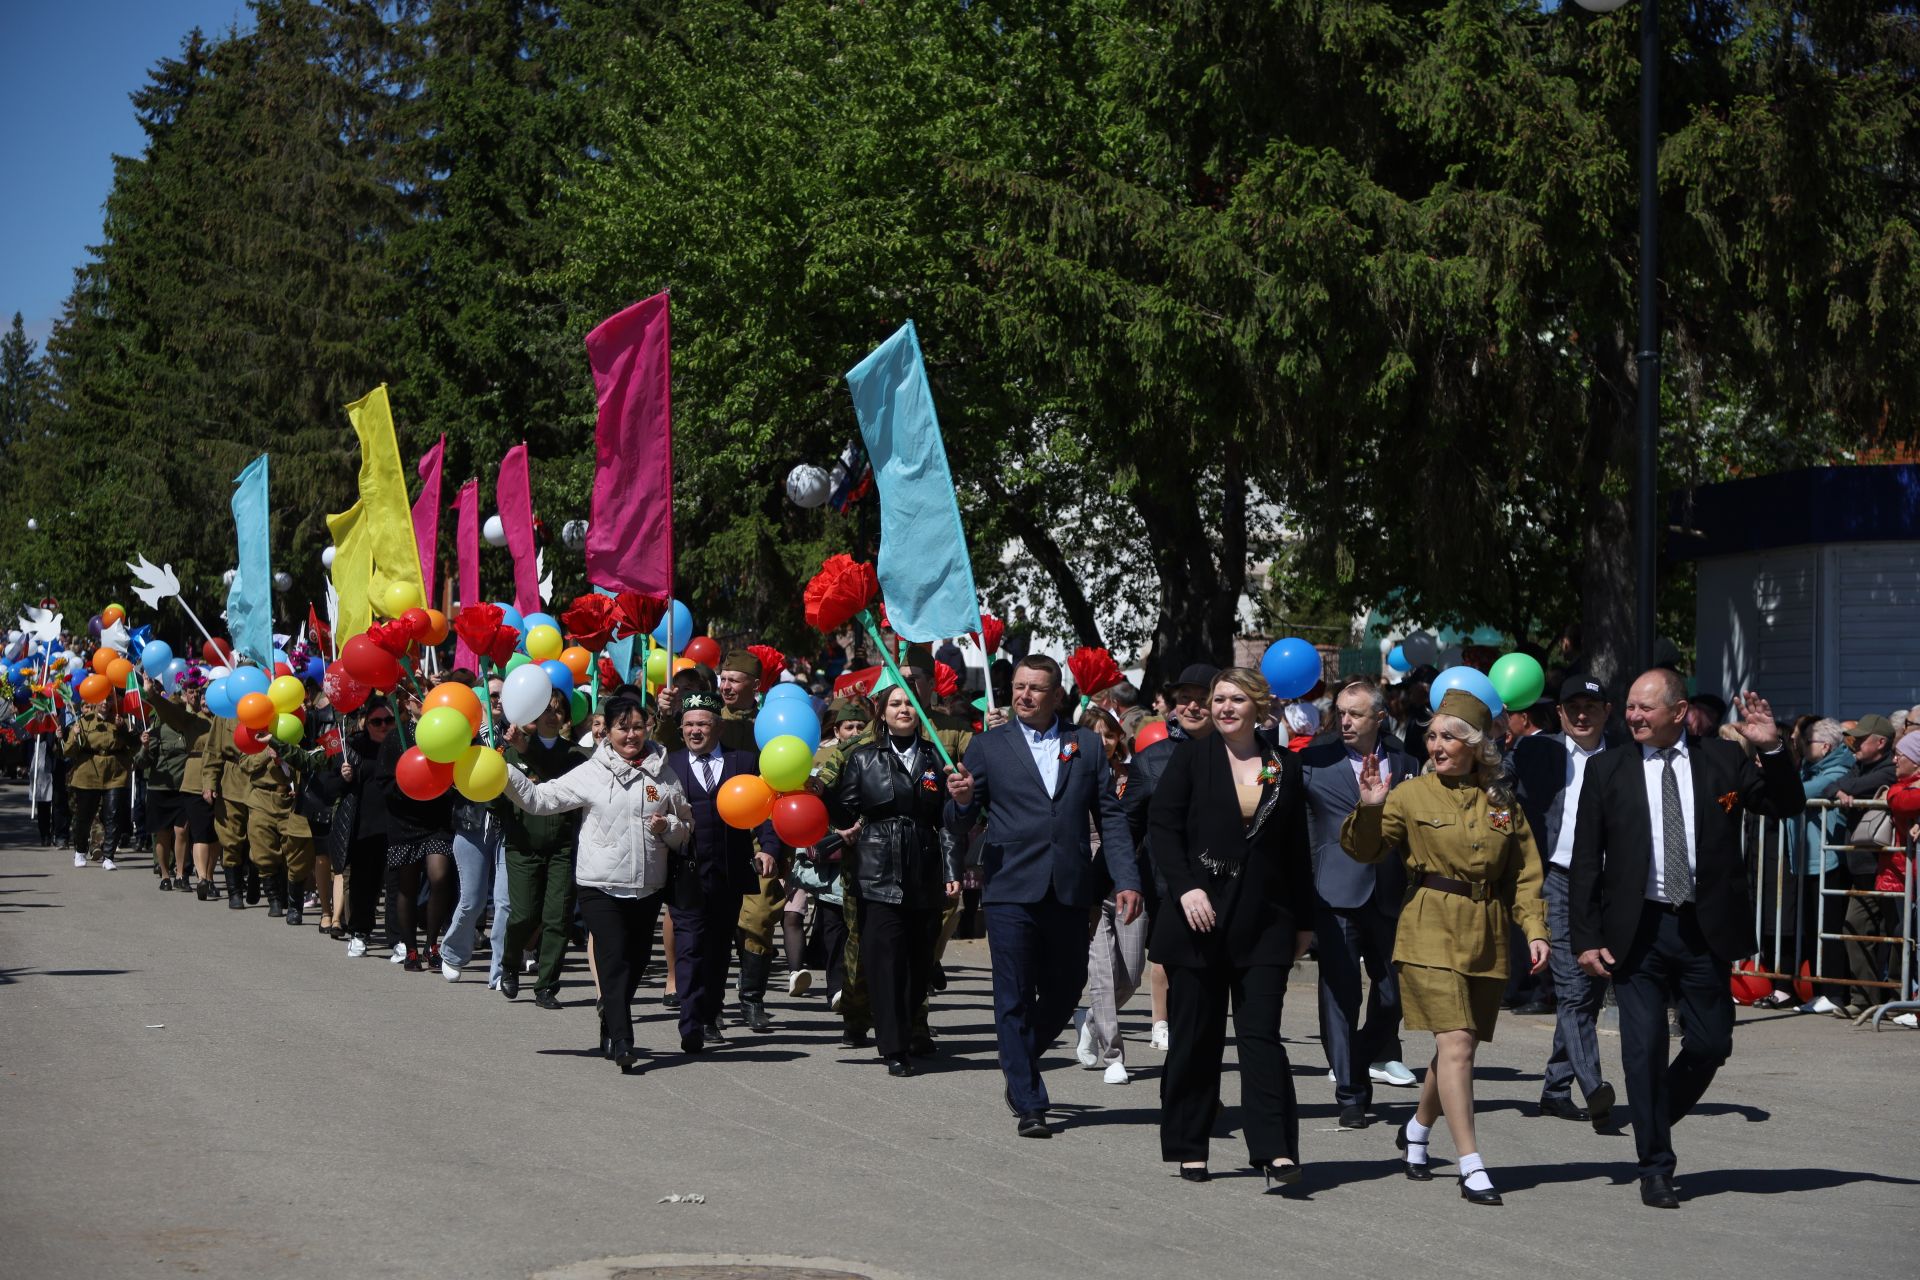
(498, 844)
(474, 848)
(1576, 1047)
(1039, 969)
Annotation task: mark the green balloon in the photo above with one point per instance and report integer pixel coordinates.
(581, 704)
(1518, 680)
(287, 729)
(785, 763)
(516, 662)
(442, 734)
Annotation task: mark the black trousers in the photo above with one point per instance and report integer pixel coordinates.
(88, 804)
(366, 880)
(702, 949)
(1670, 962)
(1197, 1004)
(830, 939)
(896, 954)
(622, 933)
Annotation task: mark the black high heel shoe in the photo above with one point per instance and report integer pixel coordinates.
(1287, 1175)
(1195, 1175)
(1415, 1172)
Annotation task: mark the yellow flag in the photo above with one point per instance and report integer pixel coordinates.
(373, 539)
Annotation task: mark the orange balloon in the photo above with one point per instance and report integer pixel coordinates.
(576, 660)
(117, 672)
(94, 689)
(744, 802)
(111, 614)
(256, 711)
(458, 696)
(436, 627)
(683, 664)
(101, 658)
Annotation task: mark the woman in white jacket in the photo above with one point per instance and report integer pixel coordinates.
(635, 810)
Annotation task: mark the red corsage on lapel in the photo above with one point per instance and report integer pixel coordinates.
(1269, 773)
(1729, 800)
(930, 781)
(1068, 750)
(1500, 819)
(653, 795)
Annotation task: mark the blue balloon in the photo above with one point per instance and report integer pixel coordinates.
(511, 617)
(155, 657)
(280, 655)
(170, 678)
(246, 680)
(1467, 680)
(316, 671)
(220, 697)
(543, 620)
(788, 689)
(785, 716)
(138, 639)
(1291, 666)
(558, 673)
(682, 618)
(1398, 659)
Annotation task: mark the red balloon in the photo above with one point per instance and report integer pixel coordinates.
(800, 819)
(343, 691)
(218, 653)
(1748, 989)
(368, 663)
(420, 777)
(282, 669)
(417, 623)
(1151, 732)
(247, 740)
(704, 650)
(1802, 987)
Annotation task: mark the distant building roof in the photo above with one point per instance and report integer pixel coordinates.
(1793, 508)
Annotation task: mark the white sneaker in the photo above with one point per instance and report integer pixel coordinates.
(1117, 1073)
(1906, 1019)
(1159, 1037)
(799, 982)
(1773, 1000)
(451, 972)
(399, 953)
(1393, 1073)
(79, 858)
(1332, 1078)
(834, 1003)
(529, 961)
(356, 947)
(1819, 1004)
(1083, 1050)
(106, 864)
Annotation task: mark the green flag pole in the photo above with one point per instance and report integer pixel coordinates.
(893, 669)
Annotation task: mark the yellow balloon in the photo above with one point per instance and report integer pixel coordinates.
(286, 693)
(544, 643)
(398, 598)
(480, 774)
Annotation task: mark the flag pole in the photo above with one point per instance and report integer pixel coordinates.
(893, 669)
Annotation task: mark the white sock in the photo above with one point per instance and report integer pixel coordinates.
(1473, 1171)
(1417, 1135)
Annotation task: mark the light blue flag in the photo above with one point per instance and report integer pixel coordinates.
(618, 652)
(924, 572)
(250, 598)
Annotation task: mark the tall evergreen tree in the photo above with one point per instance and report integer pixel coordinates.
(21, 382)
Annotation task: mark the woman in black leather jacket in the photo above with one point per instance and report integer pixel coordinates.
(902, 867)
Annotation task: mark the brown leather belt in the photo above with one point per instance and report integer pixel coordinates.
(1477, 890)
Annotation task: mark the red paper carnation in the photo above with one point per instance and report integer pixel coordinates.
(609, 676)
(637, 613)
(590, 620)
(946, 681)
(1093, 670)
(395, 637)
(991, 632)
(843, 587)
(483, 628)
(772, 663)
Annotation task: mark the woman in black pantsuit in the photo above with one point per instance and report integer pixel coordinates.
(902, 867)
(1229, 828)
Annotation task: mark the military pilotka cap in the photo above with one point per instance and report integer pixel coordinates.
(1462, 705)
(1583, 687)
(742, 661)
(1867, 726)
(845, 709)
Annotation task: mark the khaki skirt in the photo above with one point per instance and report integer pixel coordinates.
(1444, 1000)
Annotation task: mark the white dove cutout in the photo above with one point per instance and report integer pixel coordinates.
(153, 583)
(546, 579)
(42, 625)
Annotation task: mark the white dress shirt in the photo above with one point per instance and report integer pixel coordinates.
(1561, 855)
(1045, 746)
(1651, 767)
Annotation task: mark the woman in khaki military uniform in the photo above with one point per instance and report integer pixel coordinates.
(1472, 867)
(99, 749)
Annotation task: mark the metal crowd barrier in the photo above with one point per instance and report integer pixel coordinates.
(1796, 910)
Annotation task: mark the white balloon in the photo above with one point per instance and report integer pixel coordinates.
(524, 694)
(1419, 648)
(33, 525)
(573, 535)
(326, 557)
(282, 580)
(494, 532)
(1599, 6)
(228, 577)
(215, 673)
(808, 486)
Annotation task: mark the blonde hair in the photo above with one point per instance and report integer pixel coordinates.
(1489, 766)
(1249, 682)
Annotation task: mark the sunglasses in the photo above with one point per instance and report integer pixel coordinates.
(379, 720)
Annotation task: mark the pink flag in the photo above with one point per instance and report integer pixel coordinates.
(426, 515)
(466, 547)
(515, 495)
(630, 532)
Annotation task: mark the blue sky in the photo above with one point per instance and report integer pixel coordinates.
(66, 68)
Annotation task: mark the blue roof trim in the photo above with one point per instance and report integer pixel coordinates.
(1794, 508)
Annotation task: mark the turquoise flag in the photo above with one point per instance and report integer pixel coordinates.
(925, 575)
(250, 598)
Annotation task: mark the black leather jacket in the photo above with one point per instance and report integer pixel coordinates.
(904, 854)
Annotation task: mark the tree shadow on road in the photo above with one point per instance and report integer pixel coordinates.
(1775, 1181)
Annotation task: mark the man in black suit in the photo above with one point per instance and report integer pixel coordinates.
(710, 875)
(1044, 784)
(1659, 897)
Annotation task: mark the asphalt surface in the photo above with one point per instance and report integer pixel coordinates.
(188, 1090)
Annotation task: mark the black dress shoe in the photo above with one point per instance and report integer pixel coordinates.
(671, 1000)
(695, 1043)
(509, 983)
(1489, 1196)
(1415, 1172)
(623, 1054)
(1600, 1108)
(1033, 1125)
(853, 1039)
(544, 999)
(1354, 1118)
(712, 1033)
(1656, 1192)
(1563, 1108)
(900, 1067)
(1195, 1175)
(937, 978)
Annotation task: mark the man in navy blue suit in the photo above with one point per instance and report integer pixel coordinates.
(710, 875)
(1044, 785)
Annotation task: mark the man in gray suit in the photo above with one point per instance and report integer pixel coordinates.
(1549, 769)
(1359, 908)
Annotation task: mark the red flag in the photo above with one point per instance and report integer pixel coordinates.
(426, 514)
(466, 551)
(322, 634)
(515, 495)
(630, 529)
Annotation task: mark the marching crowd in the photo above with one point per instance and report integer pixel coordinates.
(1442, 863)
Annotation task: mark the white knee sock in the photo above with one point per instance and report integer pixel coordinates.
(1473, 1171)
(1417, 1135)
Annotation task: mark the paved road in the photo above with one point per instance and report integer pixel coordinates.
(185, 1090)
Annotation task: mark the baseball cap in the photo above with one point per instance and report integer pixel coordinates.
(1583, 687)
(1199, 673)
(1867, 726)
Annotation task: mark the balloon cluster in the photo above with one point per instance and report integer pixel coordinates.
(1515, 680)
(444, 753)
(787, 730)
